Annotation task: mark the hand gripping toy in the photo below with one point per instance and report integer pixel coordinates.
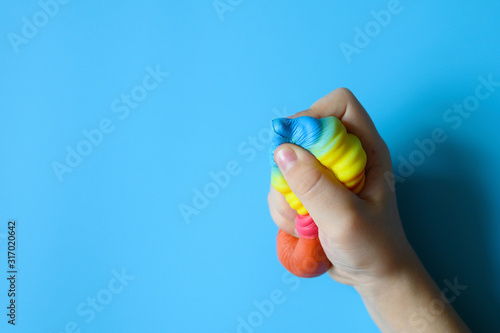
(339, 151)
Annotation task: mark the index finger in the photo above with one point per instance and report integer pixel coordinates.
(342, 104)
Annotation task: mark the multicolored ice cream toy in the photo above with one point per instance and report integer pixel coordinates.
(339, 151)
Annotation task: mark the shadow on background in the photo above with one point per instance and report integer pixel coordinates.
(445, 214)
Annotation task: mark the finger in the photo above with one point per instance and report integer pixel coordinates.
(298, 114)
(281, 205)
(283, 223)
(323, 195)
(378, 182)
(283, 216)
(342, 104)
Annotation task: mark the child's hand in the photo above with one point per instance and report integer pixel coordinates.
(361, 234)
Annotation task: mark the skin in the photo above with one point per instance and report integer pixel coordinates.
(362, 234)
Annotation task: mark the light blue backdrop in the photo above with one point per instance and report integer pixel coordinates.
(102, 244)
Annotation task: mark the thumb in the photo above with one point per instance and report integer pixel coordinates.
(321, 193)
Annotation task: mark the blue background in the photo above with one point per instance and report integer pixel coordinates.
(229, 75)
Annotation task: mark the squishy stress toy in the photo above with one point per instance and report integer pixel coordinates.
(339, 151)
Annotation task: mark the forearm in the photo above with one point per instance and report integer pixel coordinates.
(410, 301)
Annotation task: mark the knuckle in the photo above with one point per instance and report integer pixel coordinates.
(283, 210)
(280, 205)
(283, 223)
(277, 216)
(345, 92)
(385, 150)
(308, 185)
(280, 222)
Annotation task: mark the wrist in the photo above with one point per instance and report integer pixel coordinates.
(393, 276)
(404, 300)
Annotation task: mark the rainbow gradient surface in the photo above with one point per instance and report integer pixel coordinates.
(328, 140)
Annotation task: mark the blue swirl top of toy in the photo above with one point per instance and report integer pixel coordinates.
(303, 131)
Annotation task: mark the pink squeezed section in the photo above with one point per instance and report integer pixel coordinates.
(306, 228)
